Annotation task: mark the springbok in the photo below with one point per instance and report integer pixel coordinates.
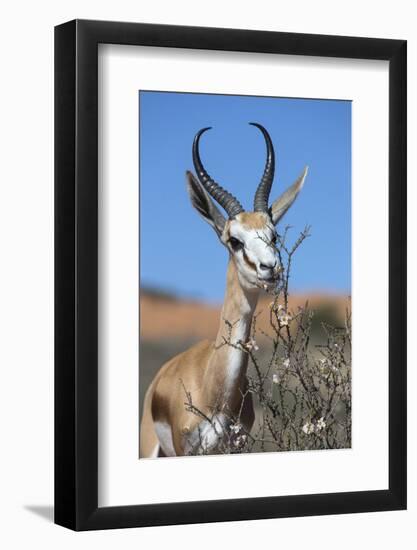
(212, 374)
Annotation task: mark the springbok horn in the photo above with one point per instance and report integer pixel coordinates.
(260, 203)
(226, 200)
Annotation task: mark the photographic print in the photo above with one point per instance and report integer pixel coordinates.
(245, 274)
(210, 249)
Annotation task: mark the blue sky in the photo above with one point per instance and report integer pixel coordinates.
(179, 251)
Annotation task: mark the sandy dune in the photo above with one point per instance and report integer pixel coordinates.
(170, 318)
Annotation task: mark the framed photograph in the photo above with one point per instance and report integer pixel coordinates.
(230, 247)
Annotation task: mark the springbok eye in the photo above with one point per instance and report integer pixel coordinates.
(235, 243)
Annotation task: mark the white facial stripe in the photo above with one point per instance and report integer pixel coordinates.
(256, 242)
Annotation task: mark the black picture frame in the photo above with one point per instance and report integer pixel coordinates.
(76, 272)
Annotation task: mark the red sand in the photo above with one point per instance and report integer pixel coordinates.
(168, 318)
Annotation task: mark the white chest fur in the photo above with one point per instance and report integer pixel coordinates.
(207, 435)
(164, 433)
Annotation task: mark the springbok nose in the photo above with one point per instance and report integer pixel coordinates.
(268, 266)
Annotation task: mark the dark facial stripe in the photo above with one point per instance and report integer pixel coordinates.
(250, 264)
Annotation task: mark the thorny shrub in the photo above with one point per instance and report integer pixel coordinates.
(301, 388)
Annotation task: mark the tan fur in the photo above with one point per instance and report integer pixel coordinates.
(253, 220)
(202, 372)
(148, 439)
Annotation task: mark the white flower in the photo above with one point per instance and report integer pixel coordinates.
(325, 366)
(236, 428)
(317, 427)
(275, 378)
(308, 428)
(283, 317)
(251, 345)
(286, 363)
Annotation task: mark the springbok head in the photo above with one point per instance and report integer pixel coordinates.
(250, 237)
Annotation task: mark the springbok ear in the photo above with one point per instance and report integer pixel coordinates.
(281, 205)
(202, 202)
